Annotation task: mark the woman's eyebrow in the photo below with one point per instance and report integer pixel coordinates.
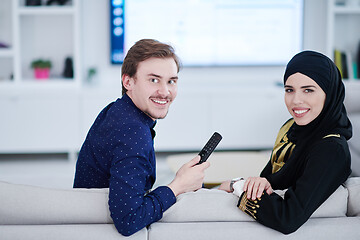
(308, 86)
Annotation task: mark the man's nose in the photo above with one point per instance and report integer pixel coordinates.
(163, 89)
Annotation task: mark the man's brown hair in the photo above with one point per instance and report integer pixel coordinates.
(143, 50)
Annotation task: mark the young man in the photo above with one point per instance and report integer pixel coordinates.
(118, 151)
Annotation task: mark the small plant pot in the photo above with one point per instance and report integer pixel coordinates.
(41, 73)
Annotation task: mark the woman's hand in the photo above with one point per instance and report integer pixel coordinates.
(225, 186)
(255, 186)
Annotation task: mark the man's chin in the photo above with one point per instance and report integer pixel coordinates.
(157, 115)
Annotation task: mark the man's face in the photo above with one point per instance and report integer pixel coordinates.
(154, 86)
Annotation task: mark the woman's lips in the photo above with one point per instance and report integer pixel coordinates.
(300, 112)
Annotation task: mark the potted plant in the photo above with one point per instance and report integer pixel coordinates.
(41, 68)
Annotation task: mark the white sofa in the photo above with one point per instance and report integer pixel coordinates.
(28, 212)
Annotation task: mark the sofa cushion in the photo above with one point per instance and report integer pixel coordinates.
(216, 205)
(23, 204)
(314, 228)
(353, 187)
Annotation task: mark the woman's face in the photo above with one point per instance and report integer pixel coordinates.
(304, 98)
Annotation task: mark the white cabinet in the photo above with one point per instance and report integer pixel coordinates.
(343, 28)
(37, 122)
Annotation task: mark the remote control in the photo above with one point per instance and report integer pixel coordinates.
(209, 147)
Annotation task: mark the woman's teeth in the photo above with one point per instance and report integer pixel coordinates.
(300, 111)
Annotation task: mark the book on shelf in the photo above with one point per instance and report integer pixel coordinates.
(357, 63)
(348, 67)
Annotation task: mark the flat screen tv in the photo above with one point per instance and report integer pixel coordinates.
(211, 32)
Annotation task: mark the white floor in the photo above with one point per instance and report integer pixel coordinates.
(57, 171)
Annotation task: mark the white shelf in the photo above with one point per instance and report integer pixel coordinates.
(5, 83)
(47, 10)
(6, 52)
(346, 10)
(49, 83)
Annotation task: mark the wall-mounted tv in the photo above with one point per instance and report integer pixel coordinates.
(211, 32)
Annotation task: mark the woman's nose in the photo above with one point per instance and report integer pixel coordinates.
(298, 98)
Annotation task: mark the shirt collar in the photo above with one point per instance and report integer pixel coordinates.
(145, 118)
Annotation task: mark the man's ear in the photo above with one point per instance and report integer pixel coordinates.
(128, 82)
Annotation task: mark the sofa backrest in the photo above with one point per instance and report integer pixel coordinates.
(352, 104)
(353, 187)
(29, 205)
(214, 205)
(23, 204)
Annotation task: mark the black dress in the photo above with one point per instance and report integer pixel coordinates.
(309, 182)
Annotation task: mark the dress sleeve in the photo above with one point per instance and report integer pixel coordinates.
(132, 174)
(267, 170)
(327, 167)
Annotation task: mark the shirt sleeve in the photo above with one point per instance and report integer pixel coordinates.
(131, 208)
(328, 166)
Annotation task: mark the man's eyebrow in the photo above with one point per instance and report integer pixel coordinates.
(154, 75)
(158, 76)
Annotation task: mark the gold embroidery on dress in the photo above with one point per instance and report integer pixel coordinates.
(332, 135)
(249, 206)
(283, 148)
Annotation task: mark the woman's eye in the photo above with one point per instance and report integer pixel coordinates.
(309, 90)
(288, 90)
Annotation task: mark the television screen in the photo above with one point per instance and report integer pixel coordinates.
(211, 32)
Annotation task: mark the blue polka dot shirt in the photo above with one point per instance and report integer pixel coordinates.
(118, 153)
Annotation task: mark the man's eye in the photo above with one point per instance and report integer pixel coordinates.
(172, 82)
(154, 80)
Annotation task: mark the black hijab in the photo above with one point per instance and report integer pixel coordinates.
(333, 118)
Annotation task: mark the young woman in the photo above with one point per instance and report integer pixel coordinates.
(310, 158)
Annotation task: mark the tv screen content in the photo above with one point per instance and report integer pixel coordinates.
(211, 32)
